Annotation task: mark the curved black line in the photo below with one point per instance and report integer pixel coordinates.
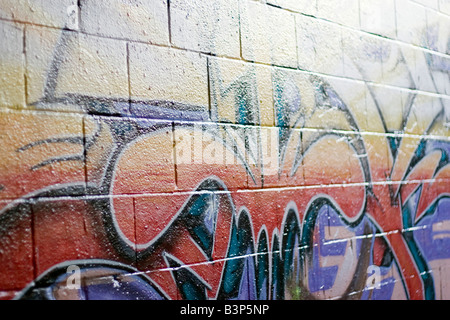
(72, 140)
(56, 160)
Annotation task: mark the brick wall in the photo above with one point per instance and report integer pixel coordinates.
(276, 149)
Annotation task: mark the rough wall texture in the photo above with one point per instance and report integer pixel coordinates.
(191, 149)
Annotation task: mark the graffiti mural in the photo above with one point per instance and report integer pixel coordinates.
(290, 185)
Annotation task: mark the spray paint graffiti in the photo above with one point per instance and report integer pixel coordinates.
(284, 212)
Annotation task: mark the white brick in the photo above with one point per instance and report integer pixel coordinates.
(391, 104)
(438, 66)
(54, 13)
(424, 109)
(411, 22)
(419, 68)
(378, 16)
(63, 64)
(101, 68)
(444, 6)
(268, 34)
(208, 26)
(158, 73)
(396, 71)
(371, 58)
(234, 82)
(12, 86)
(353, 94)
(336, 11)
(137, 20)
(437, 32)
(319, 46)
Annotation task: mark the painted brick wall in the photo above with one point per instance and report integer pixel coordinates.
(277, 149)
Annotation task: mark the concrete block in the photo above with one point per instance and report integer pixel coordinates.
(294, 97)
(268, 34)
(438, 66)
(444, 6)
(319, 46)
(100, 143)
(397, 71)
(350, 97)
(336, 11)
(210, 150)
(256, 204)
(423, 110)
(196, 221)
(441, 127)
(379, 154)
(40, 152)
(411, 22)
(429, 70)
(407, 146)
(123, 222)
(52, 13)
(42, 67)
(184, 228)
(241, 92)
(328, 159)
(79, 232)
(12, 65)
(362, 56)
(75, 71)
(289, 163)
(336, 107)
(101, 68)
(437, 31)
(169, 75)
(206, 26)
(133, 20)
(16, 245)
(378, 17)
(421, 184)
(129, 156)
(267, 159)
(385, 109)
(153, 218)
(391, 105)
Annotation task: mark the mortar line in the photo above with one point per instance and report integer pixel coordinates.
(92, 196)
(226, 124)
(25, 67)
